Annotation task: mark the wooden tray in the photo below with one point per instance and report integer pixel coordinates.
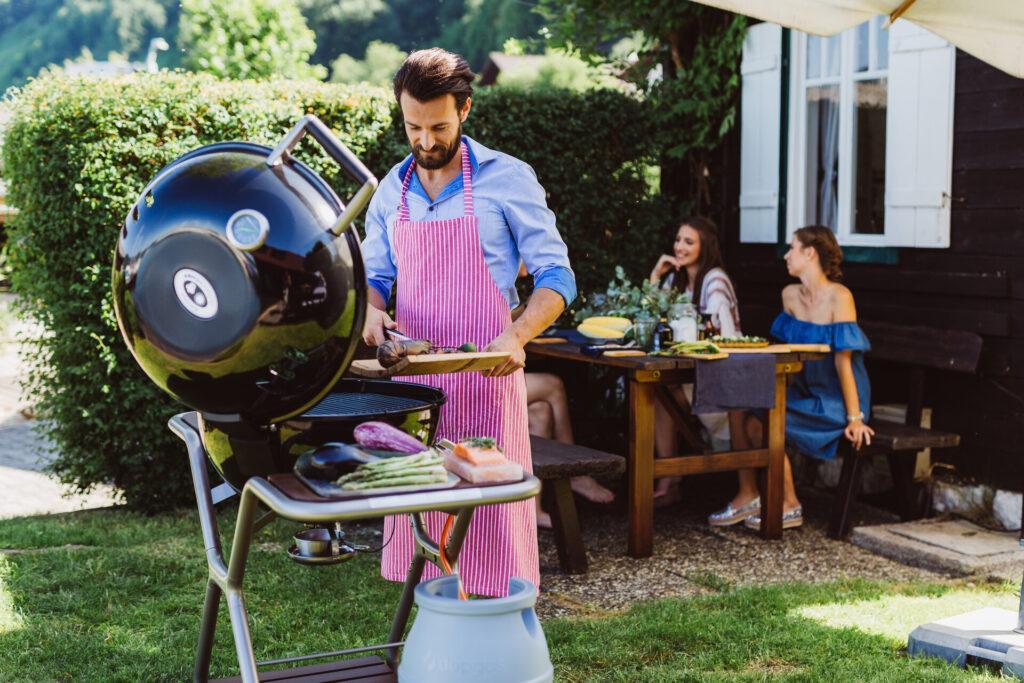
(786, 348)
(810, 348)
(624, 353)
(704, 356)
(431, 364)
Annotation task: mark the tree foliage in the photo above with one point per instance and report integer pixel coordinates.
(559, 70)
(37, 33)
(377, 67)
(697, 50)
(254, 39)
(487, 24)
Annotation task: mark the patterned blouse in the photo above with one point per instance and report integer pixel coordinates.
(717, 301)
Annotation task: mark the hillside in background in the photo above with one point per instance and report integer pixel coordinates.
(37, 33)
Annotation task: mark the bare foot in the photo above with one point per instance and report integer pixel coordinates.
(742, 499)
(664, 485)
(588, 487)
(543, 520)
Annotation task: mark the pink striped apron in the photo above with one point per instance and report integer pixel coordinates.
(446, 294)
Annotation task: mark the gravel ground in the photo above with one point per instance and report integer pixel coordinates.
(692, 558)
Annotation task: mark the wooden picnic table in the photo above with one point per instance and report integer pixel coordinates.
(649, 378)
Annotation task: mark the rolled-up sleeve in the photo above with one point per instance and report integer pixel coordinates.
(376, 249)
(533, 228)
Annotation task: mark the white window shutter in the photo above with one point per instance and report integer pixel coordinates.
(760, 132)
(918, 137)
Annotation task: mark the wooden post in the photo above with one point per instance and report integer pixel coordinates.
(641, 468)
(771, 509)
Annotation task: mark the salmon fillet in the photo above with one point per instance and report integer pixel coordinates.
(479, 452)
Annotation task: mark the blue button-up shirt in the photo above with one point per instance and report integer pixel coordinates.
(513, 219)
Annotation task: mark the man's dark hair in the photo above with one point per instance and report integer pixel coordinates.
(433, 73)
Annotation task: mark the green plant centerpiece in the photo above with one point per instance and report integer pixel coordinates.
(623, 298)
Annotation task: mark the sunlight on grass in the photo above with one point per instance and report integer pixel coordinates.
(895, 616)
(10, 620)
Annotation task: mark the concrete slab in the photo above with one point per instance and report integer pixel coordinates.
(958, 536)
(984, 636)
(952, 546)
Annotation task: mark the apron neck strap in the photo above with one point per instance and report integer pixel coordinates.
(467, 184)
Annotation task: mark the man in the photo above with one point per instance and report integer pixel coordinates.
(450, 223)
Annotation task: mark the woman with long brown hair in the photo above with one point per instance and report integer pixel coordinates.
(694, 266)
(830, 399)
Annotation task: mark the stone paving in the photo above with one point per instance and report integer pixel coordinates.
(24, 488)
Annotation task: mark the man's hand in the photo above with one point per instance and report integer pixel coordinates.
(376, 322)
(506, 342)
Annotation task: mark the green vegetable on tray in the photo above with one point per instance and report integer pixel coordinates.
(698, 347)
(410, 470)
(719, 339)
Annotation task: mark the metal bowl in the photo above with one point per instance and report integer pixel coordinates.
(314, 542)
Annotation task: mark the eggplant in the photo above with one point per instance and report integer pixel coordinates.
(384, 436)
(390, 352)
(330, 461)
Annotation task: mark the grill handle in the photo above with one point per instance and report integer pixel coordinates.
(337, 150)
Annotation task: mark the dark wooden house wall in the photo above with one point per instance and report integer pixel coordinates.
(976, 284)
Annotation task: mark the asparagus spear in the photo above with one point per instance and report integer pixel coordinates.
(412, 465)
(374, 476)
(432, 475)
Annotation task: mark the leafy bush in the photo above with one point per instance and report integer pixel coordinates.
(78, 152)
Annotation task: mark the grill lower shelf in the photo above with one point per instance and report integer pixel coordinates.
(364, 669)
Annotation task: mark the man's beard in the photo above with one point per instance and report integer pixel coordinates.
(435, 160)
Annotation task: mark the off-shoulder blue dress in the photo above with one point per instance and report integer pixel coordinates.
(815, 410)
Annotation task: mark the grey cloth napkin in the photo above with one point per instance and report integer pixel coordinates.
(741, 381)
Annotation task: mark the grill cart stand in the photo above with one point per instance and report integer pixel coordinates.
(226, 577)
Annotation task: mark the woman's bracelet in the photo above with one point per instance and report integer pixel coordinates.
(854, 418)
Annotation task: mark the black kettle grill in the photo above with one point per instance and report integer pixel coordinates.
(240, 290)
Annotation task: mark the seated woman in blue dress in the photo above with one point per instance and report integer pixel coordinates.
(831, 398)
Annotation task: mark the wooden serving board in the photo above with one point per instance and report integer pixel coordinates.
(549, 340)
(623, 353)
(786, 348)
(431, 364)
(810, 348)
(704, 356)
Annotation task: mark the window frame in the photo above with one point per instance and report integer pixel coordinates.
(796, 144)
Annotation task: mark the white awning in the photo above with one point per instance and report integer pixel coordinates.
(991, 30)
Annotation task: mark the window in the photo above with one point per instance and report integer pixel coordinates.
(867, 130)
(839, 96)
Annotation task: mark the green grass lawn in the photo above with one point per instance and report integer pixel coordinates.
(111, 596)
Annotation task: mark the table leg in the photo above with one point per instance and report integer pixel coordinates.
(641, 468)
(771, 519)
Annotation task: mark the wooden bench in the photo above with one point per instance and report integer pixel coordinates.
(922, 349)
(555, 464)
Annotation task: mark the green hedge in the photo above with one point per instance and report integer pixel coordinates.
(78, 152)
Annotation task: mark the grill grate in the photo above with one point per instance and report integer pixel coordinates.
(363, 405)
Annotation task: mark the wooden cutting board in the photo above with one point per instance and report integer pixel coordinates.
(707, 356)
(431, 364)
(786, 348)
(549, 340)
